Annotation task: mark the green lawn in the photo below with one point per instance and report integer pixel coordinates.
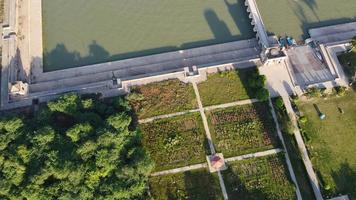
(294, 154)
(163, 98)
(175, 142)
(264, 178)
(294, 18)
(331, 142)
(225, 87)
(243, 129)
(83, 32)
(194, 185)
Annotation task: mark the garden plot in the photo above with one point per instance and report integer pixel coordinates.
(197, 185)
(259, 178)
(162, 98)
(226, 87)
(243, 129)
(175, 142)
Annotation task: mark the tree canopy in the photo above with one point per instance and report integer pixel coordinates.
(75, 148)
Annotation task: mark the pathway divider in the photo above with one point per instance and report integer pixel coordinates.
(203, 116)
(304, 153)
(151, 119)
(181, 169)
(289, 163)
(254, 155)
(231, 159)
(208, 108)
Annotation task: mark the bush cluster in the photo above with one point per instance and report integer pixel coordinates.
(76, 148)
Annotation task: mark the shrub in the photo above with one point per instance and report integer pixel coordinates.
(340, 90)
(135, 97)
(279, 103)
(262, 94)
(303, 119)
(314, 92)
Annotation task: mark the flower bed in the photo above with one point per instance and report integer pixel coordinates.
(175, 142)
(260, 178)
(244, 129)
(162, 98)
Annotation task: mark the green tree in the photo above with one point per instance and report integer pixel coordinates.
(91, 154)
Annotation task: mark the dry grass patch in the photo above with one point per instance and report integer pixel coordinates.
(162, 98)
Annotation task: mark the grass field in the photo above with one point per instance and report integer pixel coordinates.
(225, 87)
(175, 142)
(162, 98)
(195, 185)
(294, 18)
(244, 129)
(84, 32)
(261, 178)
(331, 142)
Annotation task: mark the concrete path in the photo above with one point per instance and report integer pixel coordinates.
(209, 108)
(181, 169)
(227, 105)
(222, 185)
(304, 153)
(289, 163)
(254, 155)
(203, 116)
(147, 120)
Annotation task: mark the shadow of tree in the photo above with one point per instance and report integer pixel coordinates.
(201, 185)
(345, 180)
(237, 189)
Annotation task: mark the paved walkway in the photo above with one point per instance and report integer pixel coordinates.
(208, 108)
(180, 170)
(231, 159)
(289, 163)
(304, 153)
(147, 120)
(254, 155)
(203, 116)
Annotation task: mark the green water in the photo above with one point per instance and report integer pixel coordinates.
(82, 32)
(295, 17)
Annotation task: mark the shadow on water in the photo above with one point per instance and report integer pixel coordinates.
(218, 27)
(240, 16)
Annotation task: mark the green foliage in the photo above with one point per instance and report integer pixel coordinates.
(340, 91)
(67, 104)
(93, 155)
(279, 103)
(353, 42)
(262, 94)
(303, 119)
(135, 97)
(79, 131)
(314, 92)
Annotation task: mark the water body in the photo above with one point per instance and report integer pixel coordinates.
(295, 17)
(83, 32)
